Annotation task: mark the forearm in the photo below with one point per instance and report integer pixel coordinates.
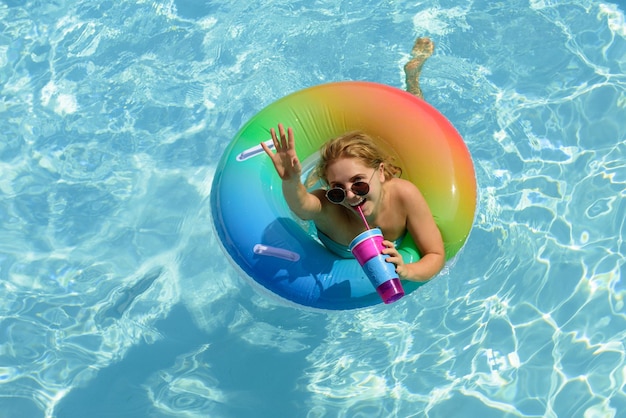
(300, 201)
(423, 270)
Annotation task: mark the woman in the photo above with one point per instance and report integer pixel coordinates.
(361, 177)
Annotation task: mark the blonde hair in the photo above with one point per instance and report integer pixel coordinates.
(357, 145)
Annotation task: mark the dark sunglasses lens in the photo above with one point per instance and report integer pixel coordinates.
(336, 195)
(360, 188)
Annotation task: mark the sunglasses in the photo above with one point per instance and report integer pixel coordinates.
(360, 188)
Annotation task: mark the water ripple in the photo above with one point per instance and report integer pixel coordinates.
(113, 116)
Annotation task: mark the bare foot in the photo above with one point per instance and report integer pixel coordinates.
(422, 50)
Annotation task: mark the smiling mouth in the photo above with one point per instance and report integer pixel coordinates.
(359, 203)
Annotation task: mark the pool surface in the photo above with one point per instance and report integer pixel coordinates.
(117, 301)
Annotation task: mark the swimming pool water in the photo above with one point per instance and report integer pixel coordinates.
(115, 299)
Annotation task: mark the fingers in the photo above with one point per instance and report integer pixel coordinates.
(290, 140)
(267, 149)
(278, 140)
(283, 138)
(282, 141)
(274, 140)
(284, 158)
(392, 252)
(388, 244)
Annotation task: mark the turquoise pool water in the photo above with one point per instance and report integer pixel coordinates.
(116, 301)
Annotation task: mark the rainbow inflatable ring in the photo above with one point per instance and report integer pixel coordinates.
(281, 252)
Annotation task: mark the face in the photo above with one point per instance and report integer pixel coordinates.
(344, 172)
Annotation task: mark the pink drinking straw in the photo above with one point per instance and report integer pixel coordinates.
(363, 217)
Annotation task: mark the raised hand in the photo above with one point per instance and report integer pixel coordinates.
(285, 159)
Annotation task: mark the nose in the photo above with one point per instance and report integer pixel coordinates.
(350, 194)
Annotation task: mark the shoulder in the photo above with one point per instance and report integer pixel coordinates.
(402, 188)
(407, 193)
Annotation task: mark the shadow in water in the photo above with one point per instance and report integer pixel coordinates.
(256, 381)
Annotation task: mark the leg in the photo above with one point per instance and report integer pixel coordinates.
(422, 50)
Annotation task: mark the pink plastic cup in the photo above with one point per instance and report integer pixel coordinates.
(367, 249)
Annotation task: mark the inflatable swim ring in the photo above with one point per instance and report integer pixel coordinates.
(277, 250)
